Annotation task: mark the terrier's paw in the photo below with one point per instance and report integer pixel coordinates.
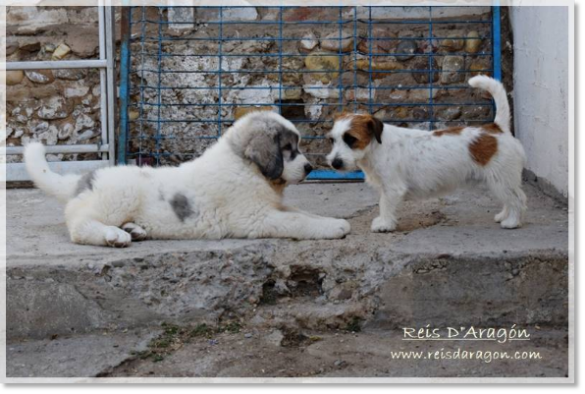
(501, 216)
(382, 225)
(117, 238)
(136, 232)
(510, 223)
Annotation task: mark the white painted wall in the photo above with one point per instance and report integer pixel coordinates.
(541, 70)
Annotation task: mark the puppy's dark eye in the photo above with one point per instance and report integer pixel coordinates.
(349, 140)
(287, 147)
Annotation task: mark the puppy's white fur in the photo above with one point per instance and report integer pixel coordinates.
(221, 194)
(417, 163)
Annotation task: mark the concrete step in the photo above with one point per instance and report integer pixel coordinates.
(449, 263)
(263, 353)
(71, 356)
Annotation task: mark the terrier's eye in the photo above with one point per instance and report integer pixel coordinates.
(349, 139)
(287, 147)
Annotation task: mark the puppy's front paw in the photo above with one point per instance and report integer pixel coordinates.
(117, 238)
(382, 225)
(343, 227)
(336, 228)
(136, 232)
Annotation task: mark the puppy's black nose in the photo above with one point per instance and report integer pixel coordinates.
(308, 168)
(337, 164)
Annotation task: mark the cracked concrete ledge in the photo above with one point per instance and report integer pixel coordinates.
(266, 353)
(449, 263)
(370, 353)
(76, 356)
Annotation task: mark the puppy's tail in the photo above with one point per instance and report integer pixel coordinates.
(60, 186)
(496, 89)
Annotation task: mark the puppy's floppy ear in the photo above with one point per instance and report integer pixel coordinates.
(375, 127)
(264, 150)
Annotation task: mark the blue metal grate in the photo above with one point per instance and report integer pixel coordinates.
(179, 92)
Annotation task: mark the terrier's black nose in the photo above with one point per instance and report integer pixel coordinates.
(337, 164)
(308, 168)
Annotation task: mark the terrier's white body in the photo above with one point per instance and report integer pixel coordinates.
(234, 190)
(402, 163)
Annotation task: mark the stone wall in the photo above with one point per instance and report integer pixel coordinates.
(53, 106)
(306, 84)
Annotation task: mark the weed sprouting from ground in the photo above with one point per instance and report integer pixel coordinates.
(354, 325)
(201, 330)
(232, 328)
(174, 336)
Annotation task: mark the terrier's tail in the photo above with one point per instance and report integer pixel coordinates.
(496, 89)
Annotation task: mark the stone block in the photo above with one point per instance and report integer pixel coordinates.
(181, 20)
(60, 52)
(14, 77)
(451, 71)
(335, 42)
(32, 20)
(41, 77)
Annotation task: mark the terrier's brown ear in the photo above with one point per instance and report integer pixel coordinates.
(376, 127)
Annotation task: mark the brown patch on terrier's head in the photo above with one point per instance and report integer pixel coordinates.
(342, 115)
(361, 130)
(483, 149)
(450, 131)
(492, 128)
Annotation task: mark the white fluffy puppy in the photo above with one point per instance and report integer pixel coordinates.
(405, 163)
(234, 190)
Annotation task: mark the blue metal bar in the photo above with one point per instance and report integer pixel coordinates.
(431, 72)
(211, 121)
(159, 91)
(334, 175)
(141, 87)
(312, 55)
(475, 104)
(124, 85)
(345, 21)
(497, 41)
(258, 39)
(207, 7)
(280, 25)
(425, 71)
(452, 87)
(220, 57)
(496, 46)
(340, 55)
(370, 91)
(355, 52)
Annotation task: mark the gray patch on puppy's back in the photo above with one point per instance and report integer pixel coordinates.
(85, 183)
(181, 206)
